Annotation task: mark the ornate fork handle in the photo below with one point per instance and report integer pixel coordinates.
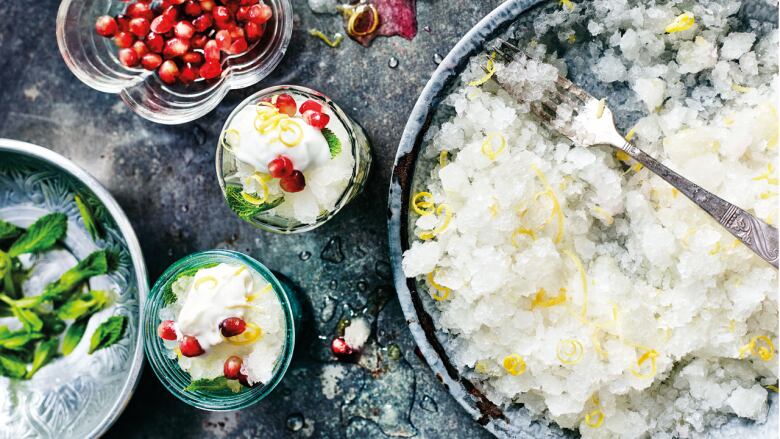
(756, 234)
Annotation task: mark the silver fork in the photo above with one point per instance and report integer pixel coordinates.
(592, 124)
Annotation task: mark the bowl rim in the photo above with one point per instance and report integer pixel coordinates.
(229, 80)
(134, 248)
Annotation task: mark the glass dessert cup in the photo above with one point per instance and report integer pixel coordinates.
(94, 60)
(354, 141)
(167, 369)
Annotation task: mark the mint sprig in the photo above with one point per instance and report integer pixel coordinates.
(73, 335)
(168, 296)
(41, 235)
(108, 333)
(9, 231)
(215, 385)
(334, 144)
(244, 209)
(88, 217)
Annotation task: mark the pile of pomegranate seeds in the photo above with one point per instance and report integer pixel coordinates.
(184, 39)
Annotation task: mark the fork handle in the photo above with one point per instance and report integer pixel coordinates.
(756, 234)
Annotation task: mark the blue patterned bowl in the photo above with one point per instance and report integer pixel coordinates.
(77, 396)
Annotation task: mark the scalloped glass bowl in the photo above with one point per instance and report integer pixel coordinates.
(357, 142)
(93, 59)
(168, 371)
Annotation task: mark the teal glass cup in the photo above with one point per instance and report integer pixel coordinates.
(167, 369)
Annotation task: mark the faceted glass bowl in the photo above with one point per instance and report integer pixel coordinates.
(93, 59)
(357, 142)
(167, 369)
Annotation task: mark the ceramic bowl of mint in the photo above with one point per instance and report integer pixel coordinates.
(72, 281)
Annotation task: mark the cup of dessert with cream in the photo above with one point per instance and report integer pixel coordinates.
(289, 159)
(220, 329)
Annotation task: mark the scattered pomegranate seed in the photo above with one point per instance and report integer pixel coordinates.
(310, 105)
(236, 32)
(161, 25)
(184, 29)
(202, 23)
(340, 348)
(232, 326)
(211, 51)
(140, 10)
(176, 47)
(106, 26)
(189, 345)
(316, 119)
(260, 13)
(211, 69)
(128, 57)
(242, 14)
(280, 167)
(123, 40)
(199, 41)
(239, 46)
(193, 58)
(188, 74)
(139, 27)
(221, 13)
(166, 330)
(223, 40)
(253, 31)
(155, 42)
(151, 61)
(295, 182)
(207, 5)
(171, 14)
(123, 22)
(168, 72)
(192, 8)
(176, 2)
(232, 367)
(285, 104)
(140, 49)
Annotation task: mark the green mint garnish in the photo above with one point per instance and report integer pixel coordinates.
(44, 352)
(89, 219)
(74, 335)
(9, 231)
(42, 235)
(215, 385)
(243, 208)
(334, 144)
(108, 333)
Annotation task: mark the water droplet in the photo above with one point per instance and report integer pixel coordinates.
(295, 422)
(332, 251)
(328, 309)
(427, 28)
(333, 284)
(362, 285)
(393, 62)
(170, 252)
(428, 404)
(437, 59)
(304, 255)
(185, 208)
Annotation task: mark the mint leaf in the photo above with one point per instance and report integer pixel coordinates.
(93, 265)
(334, 144)
(89, 219)
(108, 333)
(244, 209)
(215, 385)
(85, 305)
(168, 296)
(9, 231)
(11, 367)
(42, 235)
(44, 353)
(73, 335)
(17, 340)
(30, 321)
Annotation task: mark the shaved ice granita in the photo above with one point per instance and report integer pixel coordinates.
(220, 330)
(572, 281)
(289, 159)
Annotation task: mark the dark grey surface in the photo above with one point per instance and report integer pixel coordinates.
(164, 178)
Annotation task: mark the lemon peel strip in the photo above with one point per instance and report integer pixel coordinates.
(445, 209)
(490, 70)
(767, 175)
(355, 14)
(226, 141)
(445, 292)
(522, 231)
(487, 145)
(765, 353)
(514, 364)
(549, 192)
(651, 355)
(569, 352)
(540, 300)
(443, 159)
(683, 22)
(594, 419)
(206, 279)
(422, 207)
(250, 334)
(262, 180)
(583, 279)
(335, 42)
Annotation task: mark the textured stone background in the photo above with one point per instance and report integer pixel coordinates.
(164, 178)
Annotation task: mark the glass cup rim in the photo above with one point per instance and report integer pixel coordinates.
(155, 350)
(344, 119)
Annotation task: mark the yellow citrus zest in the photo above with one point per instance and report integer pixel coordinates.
(630, 135)
(514, 364)
(481, 367)
(768, 175)
(772, 388)
(651, 355)
(715, 249)
(268, 119)
(443, 159)
(540, 299)
(290, 126)
(206, 279)
(571, 39)
(675, 193)
(604, 215)
(442, 209)
(568, 4)
(252, 296)
(230, 138)
(740, 88)
(569, 351)
(494, 208)
(262, 180)
(335, 42)
(522, 231)
(240, 270)
(767, 195)
(682, 22)
(594, 339)
(550, 193)
(354, 14)
(250, 334)
(583, 279)
(490, 70)
(622, 156)
(177, 351)
(487, 145)
(765, 352)
(442, 292)
(421, 205)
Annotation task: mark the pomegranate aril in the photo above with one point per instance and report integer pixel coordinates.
(176, 47)
(207, 5)
(151, 61)
(192, 8)
(123, 40)
(176, 2)
(188, 74)
(340, 348)
(128, 57)
(211, 69)
(221, 13)
(140, 49)
(232, 326)
(211, 51)
(310, 105)
(123, 22)
(316, 119)
(198, 41)
(184, 29)
(285, 104)
(168, 72)
(106, 26)
(293, 183)
(232, 367)
(139, 27)
(161, 25)
(236, 32)
(171, 14)
(139, 10)
(242, 14)
(223, 39)
(166, 330)
(155, 42)
(193, 58)
(280, 167)
(189, 345)
(239, 46)
(260, 13)
(202, 23)
(253, 31)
